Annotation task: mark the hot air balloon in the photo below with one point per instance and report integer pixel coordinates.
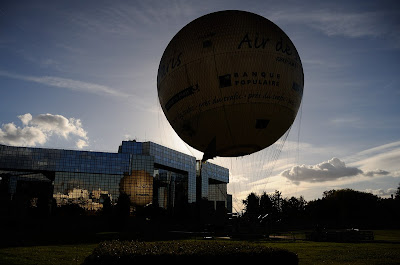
(230, 83)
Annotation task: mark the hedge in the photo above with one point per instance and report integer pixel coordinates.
(187, 252)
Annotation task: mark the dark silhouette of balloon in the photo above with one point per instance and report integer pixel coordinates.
(230, 83)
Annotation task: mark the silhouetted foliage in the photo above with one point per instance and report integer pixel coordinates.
(187, 252)
(293, 211)
(123, 206)
(107, 207)
(70, 210)
(344, 208)
(397, 196)
(265, 204)
(252, 205)
(273, 211)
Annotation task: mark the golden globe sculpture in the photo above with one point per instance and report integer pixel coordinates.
(230, 83)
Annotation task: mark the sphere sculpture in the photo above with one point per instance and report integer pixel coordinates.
(138, 186)
(230, 83)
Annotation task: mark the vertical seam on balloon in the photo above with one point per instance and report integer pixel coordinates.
(189, 83)
(223, 104)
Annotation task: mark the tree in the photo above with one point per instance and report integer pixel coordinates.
(276, 200)
(252, 204)
(397, 196)
(346, 208)
(107, 207)
(123, 205)
(265, 204)
(293, 211)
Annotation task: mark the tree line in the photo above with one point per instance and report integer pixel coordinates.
(342, 208)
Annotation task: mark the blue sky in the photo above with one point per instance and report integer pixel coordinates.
(82, 75)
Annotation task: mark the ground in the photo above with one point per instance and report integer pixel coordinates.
(385, 249)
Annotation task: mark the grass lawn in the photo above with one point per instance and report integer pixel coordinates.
(387, 235)
(384, 250)
(46, 255)
(342, 253)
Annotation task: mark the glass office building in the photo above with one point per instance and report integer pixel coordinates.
(145, 171)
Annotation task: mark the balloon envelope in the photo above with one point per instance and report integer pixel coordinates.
(230, 83)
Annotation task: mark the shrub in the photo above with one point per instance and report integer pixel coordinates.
(187, 252)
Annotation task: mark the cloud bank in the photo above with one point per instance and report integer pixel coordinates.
(332, 169)
(37, 130)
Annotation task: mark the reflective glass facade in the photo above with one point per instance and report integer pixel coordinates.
(147, 172)
(212, 182)
(55, 160)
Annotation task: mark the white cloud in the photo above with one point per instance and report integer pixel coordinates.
(332, 169)
(81, 143)
(127, 18)
(37, 130)
(376, 172)
(348, 122)
(342, 23)
(58, 124)
(347, 24)
(385, 156)
(27, 136)
(238, 179)
(67, 83)
(379, 149)
(382, 192)
(26, 118)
